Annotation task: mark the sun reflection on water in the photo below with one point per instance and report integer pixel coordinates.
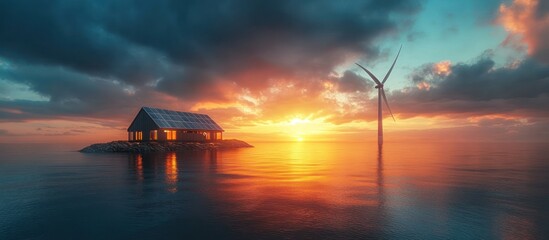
(301, 185)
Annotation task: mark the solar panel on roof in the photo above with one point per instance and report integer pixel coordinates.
(162, 124)
(183, 120)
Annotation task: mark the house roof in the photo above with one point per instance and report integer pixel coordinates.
(181, 120)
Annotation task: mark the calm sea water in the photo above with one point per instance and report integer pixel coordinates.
(278, 191)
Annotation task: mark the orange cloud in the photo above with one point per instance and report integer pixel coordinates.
(443, 68)
(516, 17)
(423, 85)
(523, 23)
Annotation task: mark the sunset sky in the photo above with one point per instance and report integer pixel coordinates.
(79, 71)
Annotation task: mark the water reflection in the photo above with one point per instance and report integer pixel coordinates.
(149, 166)
(342, 191)
(279, 191)
(300, 189)
(315, 190)
(380, 170)
(171, 172)
(139, 167)
(380, 188)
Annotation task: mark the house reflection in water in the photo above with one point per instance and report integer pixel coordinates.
(148, 167)
(171, 172)
(139, 167)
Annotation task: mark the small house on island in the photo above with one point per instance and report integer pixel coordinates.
(153, 124)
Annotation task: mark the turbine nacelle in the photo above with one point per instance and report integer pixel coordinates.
(379, 86)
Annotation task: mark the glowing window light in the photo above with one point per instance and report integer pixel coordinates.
(170, 134)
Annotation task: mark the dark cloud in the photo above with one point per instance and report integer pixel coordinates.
(542, 9)
(71, 34)
(476, 89)
(85, 56)
(222, 41)
(350, 82)
(102, 37)
(69, 93)
(542, 52)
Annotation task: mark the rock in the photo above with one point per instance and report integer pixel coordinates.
(139, 147)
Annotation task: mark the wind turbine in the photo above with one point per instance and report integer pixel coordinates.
(380, 94)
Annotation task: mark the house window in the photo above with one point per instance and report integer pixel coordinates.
(138, 136)
(170, 134)
(130, 136)
(154, 135)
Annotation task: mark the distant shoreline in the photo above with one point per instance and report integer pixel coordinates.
(140, 147)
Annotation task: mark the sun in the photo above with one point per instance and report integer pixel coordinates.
(298, 121)
(300, 139)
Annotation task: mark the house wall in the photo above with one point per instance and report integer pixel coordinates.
(145, 124)
(185, 135)
(181, 136)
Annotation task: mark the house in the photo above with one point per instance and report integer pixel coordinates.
(153, 124)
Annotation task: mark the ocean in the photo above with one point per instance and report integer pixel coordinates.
(293, 190)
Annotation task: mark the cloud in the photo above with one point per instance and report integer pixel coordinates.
(69, 93)
(350, 82)
(105, 58)
(476, 89)
(527, 22)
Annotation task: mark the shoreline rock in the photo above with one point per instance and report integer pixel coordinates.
(142, 147)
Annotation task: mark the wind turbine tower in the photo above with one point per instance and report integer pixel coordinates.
(380, 95)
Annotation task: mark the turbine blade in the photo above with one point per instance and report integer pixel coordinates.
(387, 103)
(391, 69)
(371, 74)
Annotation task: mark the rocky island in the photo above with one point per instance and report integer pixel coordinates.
(153, 146)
